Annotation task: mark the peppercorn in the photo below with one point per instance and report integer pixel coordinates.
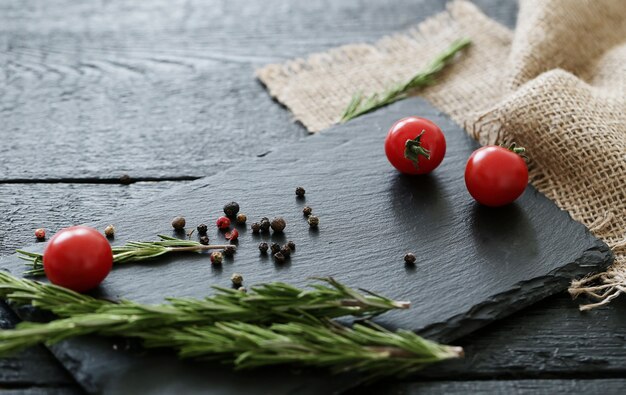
(307, 210)
(204, 239)
(313, 221)
(263, 247)
(278, 224)
(229, 250)
(233, 235)
(178, 223)
(410, 258)
(237, 279)
(125, 179)
(291, 245)
(109, 231)
(241, 218)
(256, 227)
(285, 250)
(231, 209)
(265, 224)
(223, 223)
(40, 234)
(202, 229)
(300, 192)
(275, 248)
(279, 257)
(242, 289)
(216, 258)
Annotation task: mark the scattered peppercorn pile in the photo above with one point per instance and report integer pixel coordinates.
(232, 215)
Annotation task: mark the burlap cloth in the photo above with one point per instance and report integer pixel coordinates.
(556, 86)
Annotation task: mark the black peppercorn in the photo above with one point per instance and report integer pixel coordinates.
(307, 210)
(313, 221)
(125, 179)
(275, 248)
(263, 247)
(291, 245)
(279, 257)
(204, 239)
(300, 191)
(229, 250)
(410, 258)
(202, 229)
(278, 224)
(231, 209)
(285, 250)
(265, 224)
(256, 227)
(178, 223)
(241, 218)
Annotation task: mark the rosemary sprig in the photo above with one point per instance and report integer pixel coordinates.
(266, 303)
(315, 342)
(360, 105)
(133, 251)
(284, 324)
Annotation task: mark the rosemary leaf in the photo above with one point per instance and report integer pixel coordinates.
(360, 104)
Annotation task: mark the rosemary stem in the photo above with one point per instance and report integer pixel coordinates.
(200, 248)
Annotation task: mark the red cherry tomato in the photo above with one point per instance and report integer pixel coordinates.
(495, 175)
(415, 145)
(78, 258)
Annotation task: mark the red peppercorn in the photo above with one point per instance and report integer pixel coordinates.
(223, 223)
(216, 258)
(232, 235)
(40, 234)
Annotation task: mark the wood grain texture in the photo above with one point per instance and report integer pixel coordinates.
(26, 207)
(476, 264)
(164, 88)
(510, 387)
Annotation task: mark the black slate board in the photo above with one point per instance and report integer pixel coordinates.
(475, 264)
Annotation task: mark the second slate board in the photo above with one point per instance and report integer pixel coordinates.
(474, 264)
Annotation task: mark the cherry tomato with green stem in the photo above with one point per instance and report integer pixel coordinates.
(496, 176)
(415, 145)
(78, 258)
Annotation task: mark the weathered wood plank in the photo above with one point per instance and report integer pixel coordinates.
(510, 387)
(26, 207)
(164, 88)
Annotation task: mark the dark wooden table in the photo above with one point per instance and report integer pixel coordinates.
(164, 91)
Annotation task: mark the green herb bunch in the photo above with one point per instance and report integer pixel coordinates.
(274, 323)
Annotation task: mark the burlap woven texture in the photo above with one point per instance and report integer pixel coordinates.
(557, 86)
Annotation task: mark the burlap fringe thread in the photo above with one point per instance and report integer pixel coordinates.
(556, 87)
